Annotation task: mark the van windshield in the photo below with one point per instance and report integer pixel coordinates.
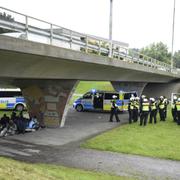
(88, 95)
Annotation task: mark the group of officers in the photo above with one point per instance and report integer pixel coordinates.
(144, 107)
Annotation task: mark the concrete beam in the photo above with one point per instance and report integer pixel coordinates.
(31, 60)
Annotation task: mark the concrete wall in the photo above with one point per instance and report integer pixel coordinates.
(129, 86)
(161, 89)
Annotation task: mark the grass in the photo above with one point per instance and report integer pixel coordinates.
(160, 140)
(15, 170)
(85, 86)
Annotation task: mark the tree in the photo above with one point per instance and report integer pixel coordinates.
(176, 59)
(157, 51)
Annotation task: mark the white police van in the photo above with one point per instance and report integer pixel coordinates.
(101, 100)
(11, 98)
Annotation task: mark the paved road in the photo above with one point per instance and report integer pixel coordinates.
(62, 148)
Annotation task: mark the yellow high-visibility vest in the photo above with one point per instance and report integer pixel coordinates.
(178, 106)
(161, 105)
(136, 104)
(153, 106)
(131, 105)
(145, 106)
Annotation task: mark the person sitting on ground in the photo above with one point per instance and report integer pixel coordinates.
(21, 123)
(4, 122)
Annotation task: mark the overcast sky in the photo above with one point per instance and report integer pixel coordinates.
(137, 22)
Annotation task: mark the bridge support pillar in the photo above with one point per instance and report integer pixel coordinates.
(47, 99)
(161, 89)
(129, 86)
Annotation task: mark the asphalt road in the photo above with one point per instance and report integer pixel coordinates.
(62, 147)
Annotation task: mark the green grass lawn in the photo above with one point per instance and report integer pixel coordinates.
(15, 170)
(85, 86)
(160, 140)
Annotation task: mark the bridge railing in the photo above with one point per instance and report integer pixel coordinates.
(30, 28)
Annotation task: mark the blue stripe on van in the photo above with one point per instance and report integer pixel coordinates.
(10, 105)
(119, 102)
(88, 106)
(20, 99)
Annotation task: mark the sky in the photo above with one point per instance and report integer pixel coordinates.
(136, 22)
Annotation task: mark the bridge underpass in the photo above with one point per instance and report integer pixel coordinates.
(47, 74)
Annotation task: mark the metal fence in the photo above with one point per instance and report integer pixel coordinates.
(30, 28)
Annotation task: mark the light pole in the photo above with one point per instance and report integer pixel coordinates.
(172, 50)
(110, 27)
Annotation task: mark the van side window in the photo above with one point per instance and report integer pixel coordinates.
(87, 96)
(110, 95)
(129, 95)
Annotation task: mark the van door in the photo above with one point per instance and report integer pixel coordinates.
(98, 100)
(107, 100)
(87, 101)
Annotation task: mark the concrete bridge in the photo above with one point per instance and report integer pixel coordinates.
(48, 74)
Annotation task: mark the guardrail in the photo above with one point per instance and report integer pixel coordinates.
(34, 29)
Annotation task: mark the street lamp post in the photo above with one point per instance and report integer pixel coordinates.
(172, 50)
(110, 27)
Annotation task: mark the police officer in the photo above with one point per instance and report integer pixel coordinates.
(161, 107)
(136, 109)
(114, 109)
(153, 110)
(177, 107)
(131, 109)
(166, 102)
(144, 112)
(173, 109)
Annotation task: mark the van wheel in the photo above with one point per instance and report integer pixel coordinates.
(79, 108)
(19, 107)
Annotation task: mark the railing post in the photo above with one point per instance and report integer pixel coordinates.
(86, 46)
(110, 49)
(99, 50)
(71, 39)
(26, 26)
(51, 34)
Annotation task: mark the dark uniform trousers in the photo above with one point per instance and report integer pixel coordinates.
(174, 114)
(135, 114)
(153, 114)
(178, 117)
(130, 115)
(162, 114)
(144, 118)
(114, 111)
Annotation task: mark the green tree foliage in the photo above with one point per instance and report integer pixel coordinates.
(177, 59)
(157, 51)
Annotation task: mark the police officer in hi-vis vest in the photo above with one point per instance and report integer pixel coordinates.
(177, 107)
(131, 109)
(114, 109)
(173, 109)
(136, 109)
(144, 112)
(161, 107)
(153, 110)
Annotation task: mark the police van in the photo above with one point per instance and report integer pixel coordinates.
(11, 98)
(101, 100)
